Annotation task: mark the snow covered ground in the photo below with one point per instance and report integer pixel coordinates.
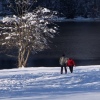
(77, 19)
(46, 83)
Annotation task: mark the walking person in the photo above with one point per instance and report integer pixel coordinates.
(70, 64)
(62, 62)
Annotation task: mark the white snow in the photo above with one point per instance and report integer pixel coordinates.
(45, 10)
(8, 37)
(59, 19)
(77, 19)
(46, 83)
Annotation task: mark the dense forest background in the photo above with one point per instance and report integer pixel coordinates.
(66, 8)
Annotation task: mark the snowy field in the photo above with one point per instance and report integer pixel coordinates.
(42, 83)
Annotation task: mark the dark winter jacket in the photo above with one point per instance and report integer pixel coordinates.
(70, 62)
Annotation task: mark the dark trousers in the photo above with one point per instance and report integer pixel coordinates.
(63, 66)
(71, 69)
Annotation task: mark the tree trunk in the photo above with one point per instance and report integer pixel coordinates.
(23, 58)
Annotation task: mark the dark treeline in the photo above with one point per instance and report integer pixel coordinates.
(74, 8)
(66, 8)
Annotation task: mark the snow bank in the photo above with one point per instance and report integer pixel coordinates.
(77, 19)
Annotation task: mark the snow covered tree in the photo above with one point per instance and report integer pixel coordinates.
(27, 31)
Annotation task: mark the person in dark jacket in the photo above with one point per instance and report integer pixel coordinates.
(62, 62)
(70, 63)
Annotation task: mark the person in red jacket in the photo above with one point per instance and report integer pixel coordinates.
(70, 64)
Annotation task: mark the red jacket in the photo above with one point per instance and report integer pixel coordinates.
(70, 62)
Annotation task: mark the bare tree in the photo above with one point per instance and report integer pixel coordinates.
(27, 31)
